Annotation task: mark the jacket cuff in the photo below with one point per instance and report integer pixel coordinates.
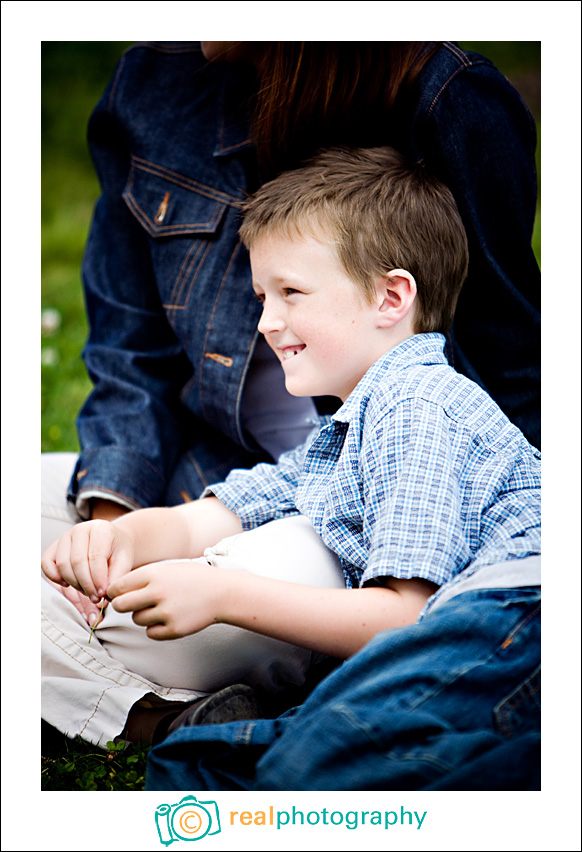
(117, 475)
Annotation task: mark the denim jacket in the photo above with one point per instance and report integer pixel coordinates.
(173, 321)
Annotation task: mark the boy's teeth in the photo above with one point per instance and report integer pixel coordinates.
(289, 353)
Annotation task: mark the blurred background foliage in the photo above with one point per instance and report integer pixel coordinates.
(74, 75)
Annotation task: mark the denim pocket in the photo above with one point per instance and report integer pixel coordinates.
(182, 218)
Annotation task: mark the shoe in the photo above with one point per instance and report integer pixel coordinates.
(235, 703)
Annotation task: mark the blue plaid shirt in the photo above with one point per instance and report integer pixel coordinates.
(419, 474)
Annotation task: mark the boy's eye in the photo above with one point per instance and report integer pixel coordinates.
(290, 291)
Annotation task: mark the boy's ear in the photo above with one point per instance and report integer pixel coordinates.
(396, 292)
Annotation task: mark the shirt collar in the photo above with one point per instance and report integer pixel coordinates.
(414, 351)
(233, 132)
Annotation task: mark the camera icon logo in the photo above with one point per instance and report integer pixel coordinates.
(188, 819)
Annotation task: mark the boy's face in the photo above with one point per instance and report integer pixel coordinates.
(314, 317)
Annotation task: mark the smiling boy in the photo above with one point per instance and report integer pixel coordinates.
(417, 483)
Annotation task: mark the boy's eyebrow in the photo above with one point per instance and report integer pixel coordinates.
(283, 278)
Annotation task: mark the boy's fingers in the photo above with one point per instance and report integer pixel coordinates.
(80, 563)
(120, 565)
(63, 561)
(49, 567)
(99, 552)
(159, 632)
(133, 601)
(86, 608)
(135, 579)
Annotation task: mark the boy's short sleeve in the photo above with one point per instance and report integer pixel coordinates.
(413, 508)
(264, 493)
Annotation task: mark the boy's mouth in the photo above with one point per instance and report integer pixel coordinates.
(291, 351)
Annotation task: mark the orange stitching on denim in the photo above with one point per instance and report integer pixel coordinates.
(172, 230)
(520, 627)
(188, 260)
(199, 266)
(195, 276)
(530, 688)
(81, 474)
(208, 192)
(185, 269)
(221, 359)
(234, 147)
(216, 301)
(182, 180)
(443, 87)
(460, 54)
(129, 452)
(116, 81)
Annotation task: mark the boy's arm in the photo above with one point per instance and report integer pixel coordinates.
(178, 532)
(179, 599)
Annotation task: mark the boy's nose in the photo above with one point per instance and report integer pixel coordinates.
(270, 320)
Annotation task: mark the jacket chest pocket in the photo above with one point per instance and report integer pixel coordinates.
(183, 219)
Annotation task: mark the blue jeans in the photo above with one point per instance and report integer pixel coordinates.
(450, 703)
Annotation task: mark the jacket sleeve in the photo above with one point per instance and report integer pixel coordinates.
(129, 427)
(479, 138)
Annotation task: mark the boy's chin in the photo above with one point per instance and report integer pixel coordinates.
(304, 389)
(299, 388)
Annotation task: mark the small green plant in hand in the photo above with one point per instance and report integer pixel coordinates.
(98, 621)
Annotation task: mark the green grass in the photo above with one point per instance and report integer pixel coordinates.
(68, 764)
(74, 75)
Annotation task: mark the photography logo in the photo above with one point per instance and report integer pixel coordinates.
(189, 819)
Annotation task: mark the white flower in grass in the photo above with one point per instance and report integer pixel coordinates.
(49, 356)
(50, 321)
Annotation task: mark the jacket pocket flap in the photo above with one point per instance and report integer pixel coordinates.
(167, 203)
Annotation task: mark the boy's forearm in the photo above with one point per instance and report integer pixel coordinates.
(336, 622)
(178, 532)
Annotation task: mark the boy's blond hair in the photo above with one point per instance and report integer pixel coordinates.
(379, 213)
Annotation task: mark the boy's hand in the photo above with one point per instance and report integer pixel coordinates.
(88, 610)
(170, 599)
(88, 557)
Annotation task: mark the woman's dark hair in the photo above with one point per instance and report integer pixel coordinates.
(314, 95)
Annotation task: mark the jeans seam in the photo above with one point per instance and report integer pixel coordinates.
(518, 627)
(502, 712)
(426, 757)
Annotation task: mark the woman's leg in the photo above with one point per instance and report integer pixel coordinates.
(449, 703)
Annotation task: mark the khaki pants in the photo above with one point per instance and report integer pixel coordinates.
(89, 688)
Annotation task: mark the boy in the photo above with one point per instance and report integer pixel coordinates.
(418, 483)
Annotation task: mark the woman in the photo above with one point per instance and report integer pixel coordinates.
(184, 390)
